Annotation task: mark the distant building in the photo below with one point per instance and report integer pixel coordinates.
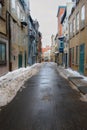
(34, 41)
(53, 48)
(65, 24)
(46, 53)
(60, 13)
(39, 47)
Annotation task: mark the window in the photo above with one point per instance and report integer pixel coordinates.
(2, 53)
(83, 13)
(0, 9)
(18, 12)
(13, 4)
(77, 22)
(83, 16)
(70, 29)
(61, 44)
(77, 55)
(73, 26)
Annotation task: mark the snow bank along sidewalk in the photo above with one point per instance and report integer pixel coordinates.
(79, 81)
(70, 73)
(13, 81)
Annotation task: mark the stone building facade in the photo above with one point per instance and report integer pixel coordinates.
(4, 45)
(78, 38)
(18, 34)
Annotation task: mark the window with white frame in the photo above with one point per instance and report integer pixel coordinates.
(83, 16)
(83, 13)
(18, 12)
(77, 22)
(2, 53)
(73, 26)
(13, 4)
(70, 29)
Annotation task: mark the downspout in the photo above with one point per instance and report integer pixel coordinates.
(9, 38)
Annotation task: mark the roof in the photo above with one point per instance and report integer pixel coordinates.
(59, 7)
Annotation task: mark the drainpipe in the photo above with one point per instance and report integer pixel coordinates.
(9, 38)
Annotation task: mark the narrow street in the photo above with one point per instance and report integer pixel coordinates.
(46, 103)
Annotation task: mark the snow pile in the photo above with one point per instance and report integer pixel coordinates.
(13, 81)
(75, 73)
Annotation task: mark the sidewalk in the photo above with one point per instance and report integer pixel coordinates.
(74, 77)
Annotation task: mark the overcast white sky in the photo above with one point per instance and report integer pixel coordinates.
(45, 12)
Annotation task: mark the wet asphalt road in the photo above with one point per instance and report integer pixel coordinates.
(47, 103)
